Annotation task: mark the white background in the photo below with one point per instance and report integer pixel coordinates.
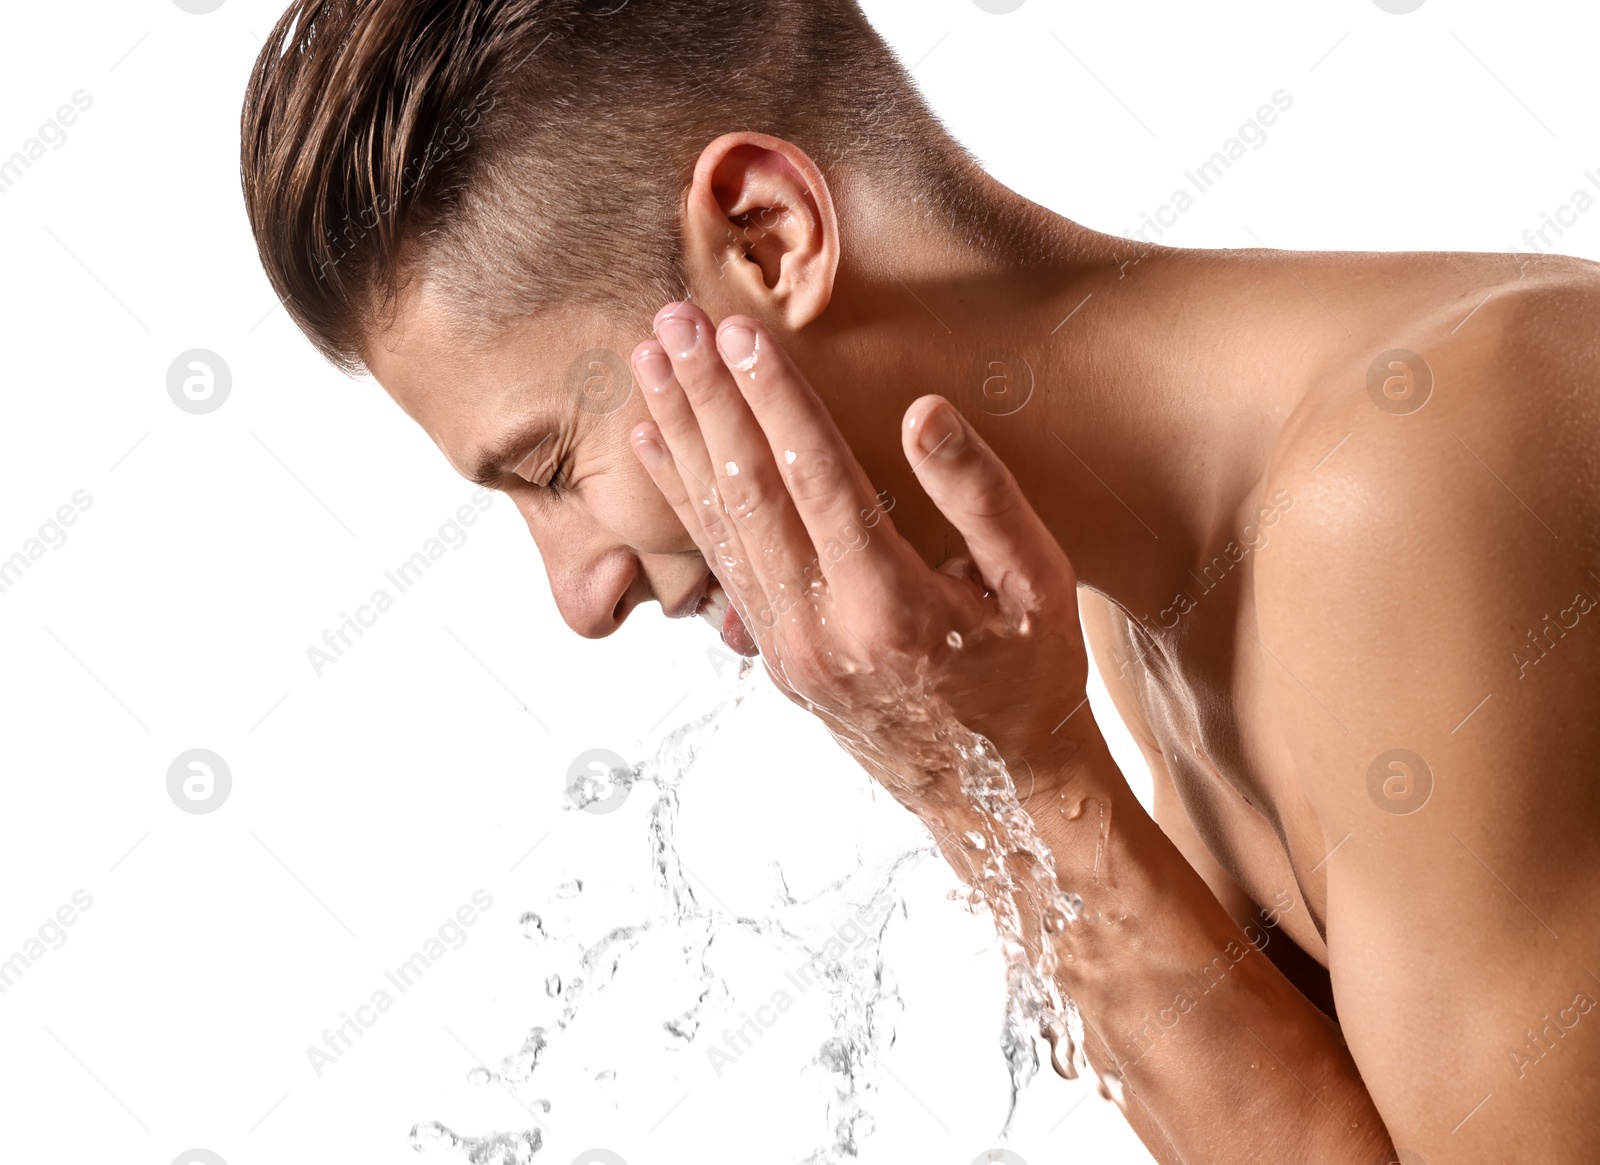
(370, 803)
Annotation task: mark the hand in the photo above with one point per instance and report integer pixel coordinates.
(850, 621)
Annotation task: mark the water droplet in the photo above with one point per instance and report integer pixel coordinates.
(788, 456)
(570, 889)
(428, 1134)
(1071, 905)
(1064, 1051)
(748, 364)
(731, 469)
(1111, 1088)
(519, 1066)
(953, 639)
(532, 927)
(552, 986)
(682, 1029)
(480, 1076)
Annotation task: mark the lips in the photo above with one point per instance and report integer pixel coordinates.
(720, 613)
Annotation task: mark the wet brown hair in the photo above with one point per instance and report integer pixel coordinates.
(526, 153)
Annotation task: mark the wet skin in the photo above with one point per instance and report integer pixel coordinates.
(1283, 574)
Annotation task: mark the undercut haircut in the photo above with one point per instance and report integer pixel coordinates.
(527, 154)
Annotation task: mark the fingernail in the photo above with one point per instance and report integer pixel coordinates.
(941, 432)
(679, 335)
(649, 451)
(654, 370)
(737, 344)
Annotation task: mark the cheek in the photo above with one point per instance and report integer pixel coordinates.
(624, 502)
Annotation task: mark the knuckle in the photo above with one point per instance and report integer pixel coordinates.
(741, 495)
(713, 520)
(815, 476)
(699, 386)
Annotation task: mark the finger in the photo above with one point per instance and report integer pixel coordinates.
(658, 462)
(745, 476)
(656, 458)
(1009, 543)
(705, 518)
(674, 416)
(858, 547)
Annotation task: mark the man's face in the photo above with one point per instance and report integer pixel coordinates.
(547, 410)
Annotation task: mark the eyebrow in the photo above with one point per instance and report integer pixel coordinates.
(494, 464)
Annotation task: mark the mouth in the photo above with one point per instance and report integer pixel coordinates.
(720, 613)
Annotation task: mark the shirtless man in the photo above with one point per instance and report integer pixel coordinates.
(1329, 521)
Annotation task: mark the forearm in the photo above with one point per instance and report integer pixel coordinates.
(1222, 1059)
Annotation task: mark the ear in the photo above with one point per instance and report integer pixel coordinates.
(760, 229)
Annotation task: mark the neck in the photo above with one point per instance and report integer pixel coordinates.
(1080, 361)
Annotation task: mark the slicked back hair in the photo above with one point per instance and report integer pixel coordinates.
(531, 153)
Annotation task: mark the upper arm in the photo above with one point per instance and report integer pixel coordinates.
(1433, 623)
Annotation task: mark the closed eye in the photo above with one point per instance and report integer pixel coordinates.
(560, 480)
(528, 467)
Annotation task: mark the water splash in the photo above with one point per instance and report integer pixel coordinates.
(1029, 907)
(493, 1149)
(1016, 883)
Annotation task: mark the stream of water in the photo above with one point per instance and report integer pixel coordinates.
(847, 958)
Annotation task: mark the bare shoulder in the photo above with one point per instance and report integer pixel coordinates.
(1445, 477)
(1470, 414)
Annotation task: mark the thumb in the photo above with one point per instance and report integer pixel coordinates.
(1009, 543)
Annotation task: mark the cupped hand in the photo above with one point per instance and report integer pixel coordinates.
(849, 619)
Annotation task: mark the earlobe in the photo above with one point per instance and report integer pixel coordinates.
(760, 230)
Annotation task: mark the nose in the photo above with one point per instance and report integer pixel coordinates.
(595, 598)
